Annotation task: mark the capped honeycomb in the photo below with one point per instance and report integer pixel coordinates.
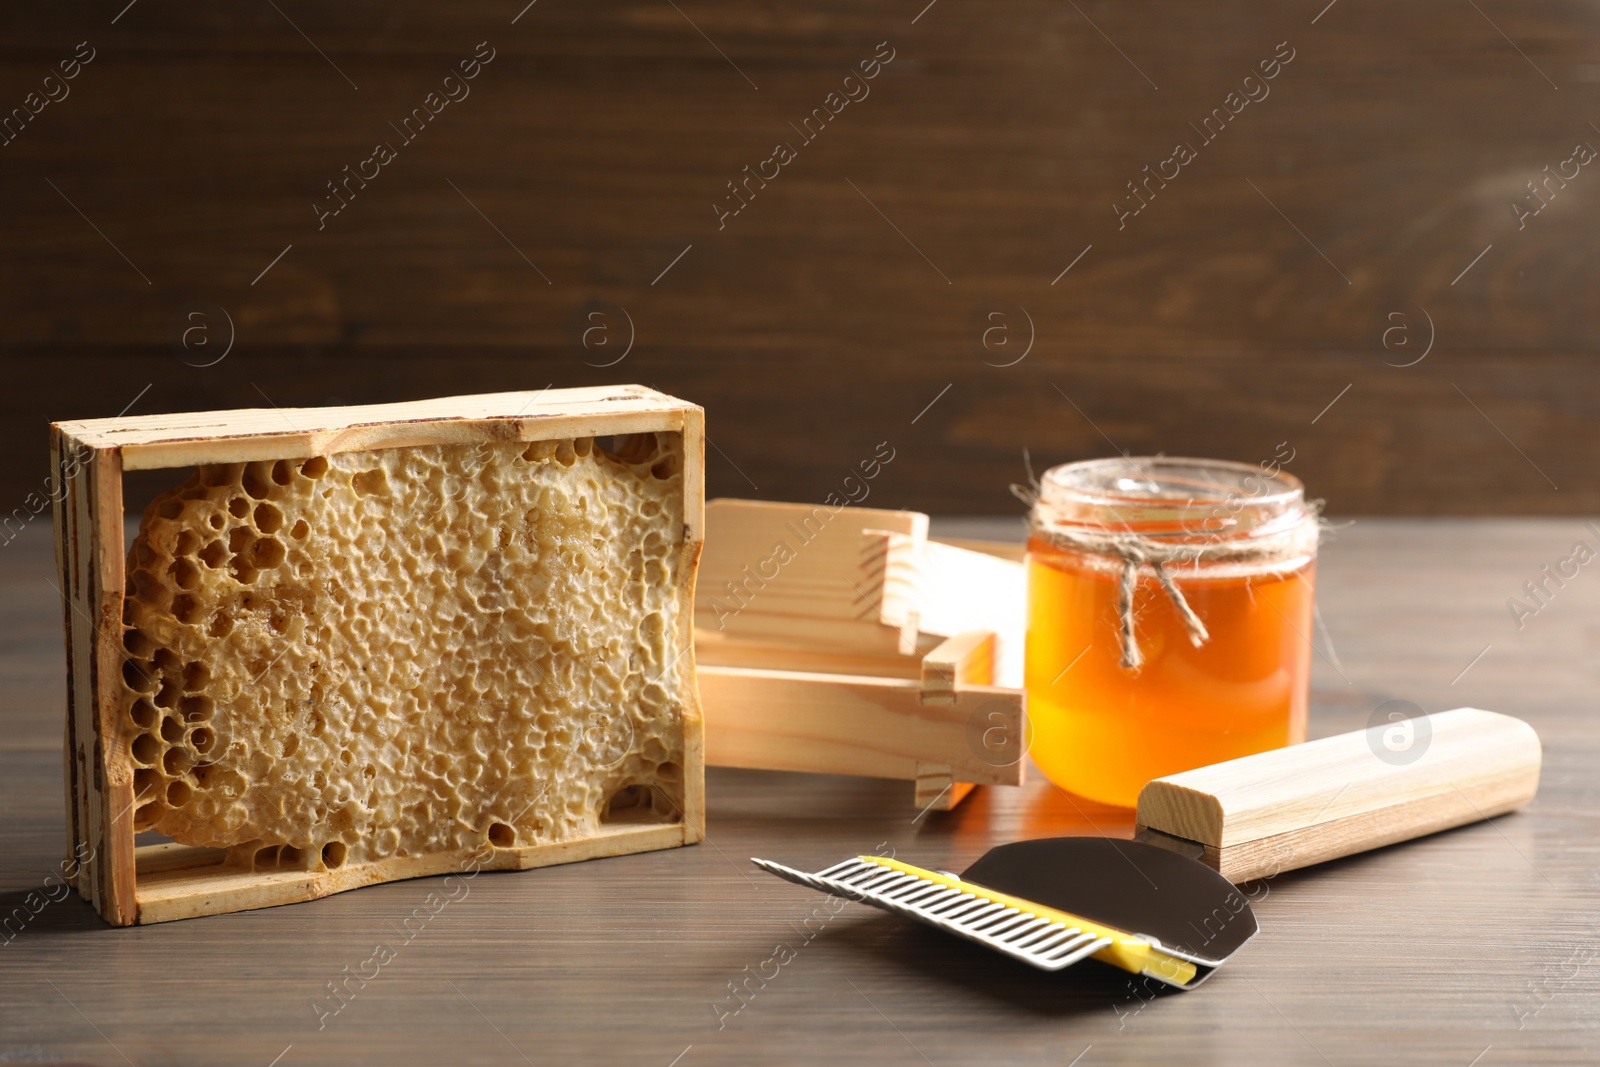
(368, 655)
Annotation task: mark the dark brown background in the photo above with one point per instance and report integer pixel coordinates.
(810, 329)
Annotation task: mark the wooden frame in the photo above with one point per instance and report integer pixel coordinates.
(129, 884)
(841, 640)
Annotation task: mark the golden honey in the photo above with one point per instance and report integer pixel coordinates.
(1246, 567)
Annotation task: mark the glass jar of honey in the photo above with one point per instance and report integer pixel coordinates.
(1169, 618)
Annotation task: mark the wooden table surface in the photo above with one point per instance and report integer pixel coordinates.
(1478, 946)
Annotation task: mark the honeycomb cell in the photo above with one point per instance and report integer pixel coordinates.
(146, 749)
(143, 714)
(268, 518)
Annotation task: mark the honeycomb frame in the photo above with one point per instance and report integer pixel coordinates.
(130, 883)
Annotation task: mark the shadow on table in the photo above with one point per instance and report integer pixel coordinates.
(26, 914)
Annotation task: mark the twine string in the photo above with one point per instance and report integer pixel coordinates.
(1135, 552)
(1138, 551)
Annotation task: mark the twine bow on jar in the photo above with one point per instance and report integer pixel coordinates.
(1136, 551)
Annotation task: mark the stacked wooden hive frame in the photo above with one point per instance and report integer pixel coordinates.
(843, 640)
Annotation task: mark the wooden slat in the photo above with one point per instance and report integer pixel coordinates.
(81, 622)
(796, 574)
(65, 525)
(114, 764)
(174, 891)
(945, 590)
(725, 650)
(997, 549)
(693, 815)
(842, 724)
(154, 441)
(956, 663)
(936, 788)
(100, 775)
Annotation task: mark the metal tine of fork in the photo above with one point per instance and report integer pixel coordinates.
(921, 887)
(941, 908)
(929, 895)
(1079, 947)
(800, 876)
(900, 908)
(969, 911)
(992, 926)
(833, 890)
(1035, 925)
(996, 919)
(789, 874)
(1082, 952)
(1059, 942)
(1035, 922)
(917, 910)
(881, 875)
(1021, 919)
(829, 886)
(1067, 946)
(880, 886)
(990, 932)
(1005, 929)
(912, 882)
(1072, 952)
(840, 868)
(998, 944)
(855, 890)
(963, 901)
(866, 870)
(1037, 937)
(906, 893)
(975, 920)
(980, 908)
(948, 903)
(869, 896)
(927, 890)
(1056, 940)
(838, 887)
(1039, 960)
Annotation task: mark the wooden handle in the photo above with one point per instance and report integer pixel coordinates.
(1305, 804)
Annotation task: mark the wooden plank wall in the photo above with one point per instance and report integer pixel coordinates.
(571, 198)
